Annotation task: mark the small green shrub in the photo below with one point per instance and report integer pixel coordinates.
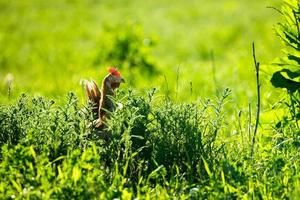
(157, 149)
(28, 174)
(126, 47)
(40, 123)
(288, 75)
(151, 141)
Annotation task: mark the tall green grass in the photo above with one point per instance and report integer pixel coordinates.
(156, 149)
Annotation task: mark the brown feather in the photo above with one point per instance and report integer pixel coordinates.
(94, 95)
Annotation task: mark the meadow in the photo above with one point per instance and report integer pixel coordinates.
(187, 128)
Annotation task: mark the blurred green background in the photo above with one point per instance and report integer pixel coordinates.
(49, 46)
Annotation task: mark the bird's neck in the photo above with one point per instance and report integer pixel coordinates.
(107, 91)
(106, 88)
(106, 103)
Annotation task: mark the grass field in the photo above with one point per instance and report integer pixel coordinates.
(49, 47)
(191, 137)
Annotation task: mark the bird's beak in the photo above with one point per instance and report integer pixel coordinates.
(122, 80)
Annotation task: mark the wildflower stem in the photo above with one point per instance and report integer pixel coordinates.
(258, 99)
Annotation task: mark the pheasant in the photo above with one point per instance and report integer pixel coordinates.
(100, 98)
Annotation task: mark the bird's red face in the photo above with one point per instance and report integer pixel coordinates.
(115, 78)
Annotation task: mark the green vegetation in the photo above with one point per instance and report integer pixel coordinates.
(49, 47)
(190, 137)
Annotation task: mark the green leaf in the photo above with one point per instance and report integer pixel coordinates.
(279, 81)
(76, 174)
(294, 58)
(292, 39)
(17, 186)
(291, 74)
(207, 168)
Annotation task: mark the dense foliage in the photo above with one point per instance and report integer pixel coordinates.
(44, 143)
(157, 148)
(287, 76)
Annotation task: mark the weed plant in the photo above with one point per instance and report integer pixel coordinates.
(157, 149)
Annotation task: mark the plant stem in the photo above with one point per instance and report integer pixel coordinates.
(249, 122)
(258, 99)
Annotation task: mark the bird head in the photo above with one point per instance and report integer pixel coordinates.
(115, 78)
